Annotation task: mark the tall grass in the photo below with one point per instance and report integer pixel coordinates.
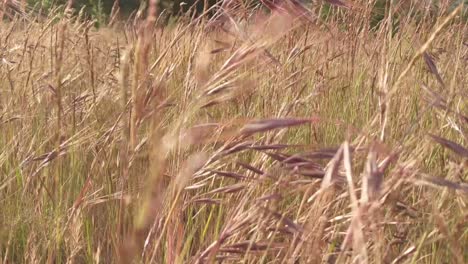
(247, 136)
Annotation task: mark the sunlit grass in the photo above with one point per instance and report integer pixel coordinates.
(187, 144)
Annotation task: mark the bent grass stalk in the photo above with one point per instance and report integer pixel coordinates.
(249, 137)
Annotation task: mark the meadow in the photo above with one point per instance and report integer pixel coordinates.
(244, 136)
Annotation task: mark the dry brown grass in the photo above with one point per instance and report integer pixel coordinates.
(254, 137)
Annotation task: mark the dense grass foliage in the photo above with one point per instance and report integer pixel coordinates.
(299, 134)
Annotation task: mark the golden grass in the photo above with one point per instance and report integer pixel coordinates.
(255, 138)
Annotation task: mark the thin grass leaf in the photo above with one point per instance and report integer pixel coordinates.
(228, 189)
(270, 197)
(432, 67)
(320, 154)
(458, 149)
(408, 252)
(308, 165)
(317, 174)
(270, 124)
(338, 3)
(235, 148)
(287, 159)
(445, 183)
(250, 168)
(229, 174)
(269, 147)
(196, 186)
(331, 174)
(207, 201)
(252, 246)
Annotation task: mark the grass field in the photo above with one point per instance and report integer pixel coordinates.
(268, 138)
